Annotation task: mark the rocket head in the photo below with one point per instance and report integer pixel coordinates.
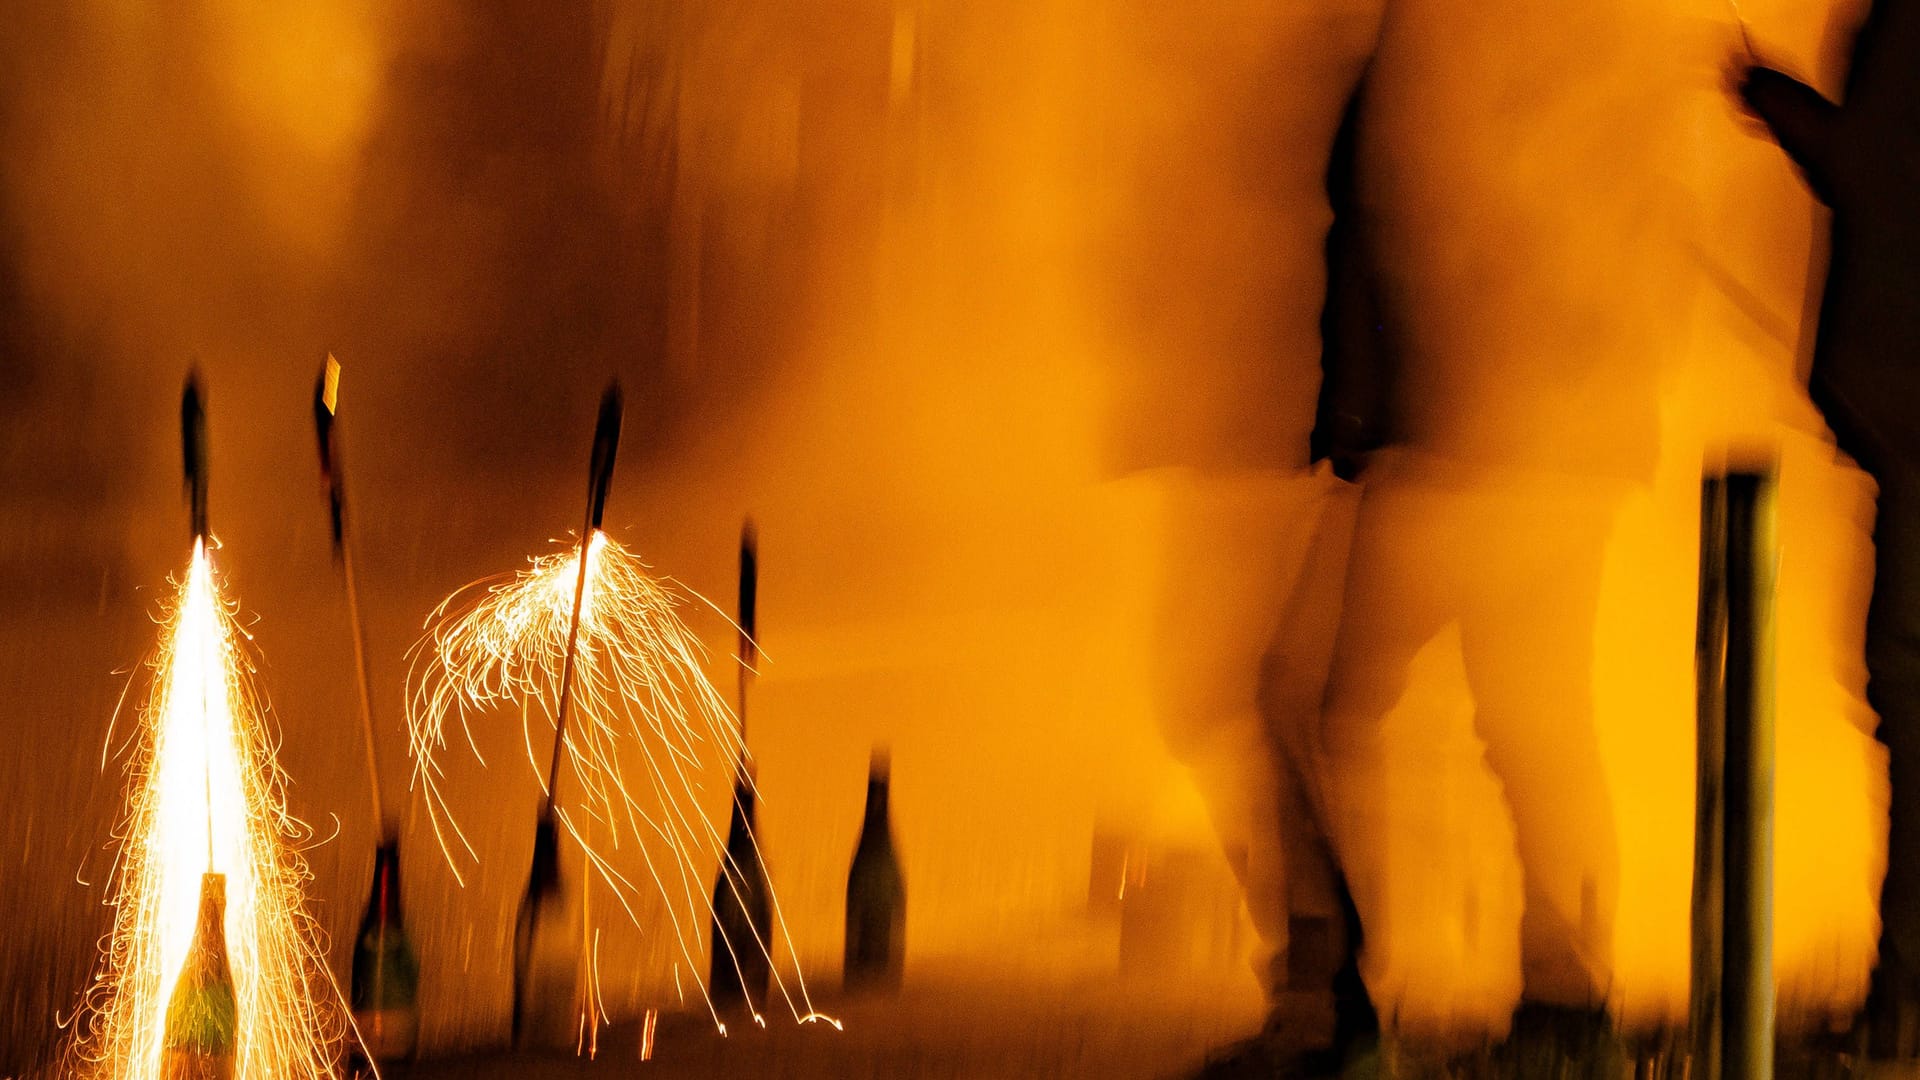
(606, 444)
(749, 590)
(326, 404)
(543, 878)
(193, 444)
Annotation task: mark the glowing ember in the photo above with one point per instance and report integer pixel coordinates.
(206, 795)
(645, 732)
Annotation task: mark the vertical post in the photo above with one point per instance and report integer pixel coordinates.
(1746, 988)
(1709, 819)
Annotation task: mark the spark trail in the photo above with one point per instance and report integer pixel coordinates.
(646, 732)
(202, 770)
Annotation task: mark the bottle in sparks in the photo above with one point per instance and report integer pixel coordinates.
(741, 936)
(876, 895)
(546, 954)
(202, 1017)
(386, 977)
(742, 916)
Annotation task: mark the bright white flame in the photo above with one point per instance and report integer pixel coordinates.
(205, 793)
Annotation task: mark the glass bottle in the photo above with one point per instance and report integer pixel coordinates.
(202, 1024)
(386, 977)
(546, 953)
(876, 896)
(742, 917)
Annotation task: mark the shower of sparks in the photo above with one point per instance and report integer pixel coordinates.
(646, 732)
(204, 787)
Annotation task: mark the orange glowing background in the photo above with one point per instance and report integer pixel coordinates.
(1001, 317)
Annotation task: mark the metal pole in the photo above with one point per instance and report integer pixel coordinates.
(1709, 818)
(1746, 989)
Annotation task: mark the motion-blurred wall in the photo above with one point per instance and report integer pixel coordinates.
(1002, 320)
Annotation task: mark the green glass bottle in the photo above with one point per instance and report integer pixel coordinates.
(876, 896)
(202, 1026)
(386, 977)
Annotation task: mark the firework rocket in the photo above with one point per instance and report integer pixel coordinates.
(606, 445)
(589, 640)
(543, 880)
(212, 967)
(193, 442)
(742, 925)
(749, 637)
(326, 404)
(193, 450)
(385, 972)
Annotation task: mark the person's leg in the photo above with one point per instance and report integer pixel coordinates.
(1234, 549)
(1530, 600)
(1293, 688)
(1318, 989)
(1893, 688)
(1516, 562)
(1218, 122)
(1278, 546)
(1401, 591)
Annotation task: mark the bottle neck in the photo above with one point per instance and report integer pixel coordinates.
(544, 875)
(876, 802)
(383, 903)
(210, 936)
(743, 800)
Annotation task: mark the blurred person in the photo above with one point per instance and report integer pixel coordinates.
(1862, 158)
(1537, 250)
(1507, 310)
(1218, 253)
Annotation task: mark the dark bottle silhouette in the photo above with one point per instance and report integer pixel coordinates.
(741, 934)
(386, 977)
(876, 896)
(202, 1025)
(742, 916)
(545, 951)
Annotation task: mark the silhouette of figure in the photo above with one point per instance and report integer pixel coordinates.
(1862, 158)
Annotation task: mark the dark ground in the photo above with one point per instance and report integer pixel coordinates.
(1127, 1028)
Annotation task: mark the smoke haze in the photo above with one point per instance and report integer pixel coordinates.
(1002, 319)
